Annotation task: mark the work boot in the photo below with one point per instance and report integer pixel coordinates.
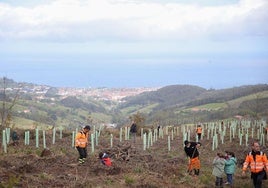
(190, 172)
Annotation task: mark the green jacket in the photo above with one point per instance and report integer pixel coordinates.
(230, 165)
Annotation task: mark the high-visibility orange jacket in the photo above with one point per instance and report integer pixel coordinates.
(256, 165)
(81, 139)
(199, 130)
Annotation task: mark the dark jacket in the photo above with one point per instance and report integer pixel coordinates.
(133, 128)
(15, 136)
(192, 151)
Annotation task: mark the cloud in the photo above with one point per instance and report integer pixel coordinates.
(125, 20)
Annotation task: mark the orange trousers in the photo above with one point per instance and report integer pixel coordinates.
(194, 163)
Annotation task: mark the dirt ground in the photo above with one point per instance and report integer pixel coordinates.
(57, 166)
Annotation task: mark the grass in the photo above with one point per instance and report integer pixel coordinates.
(238, 101)
(151, 168)
(138, 169)
(129, 180)
(100, 117)
(27, 124)
(207, 107)
(109, 181)
(13, 181)
(130, 109)
(46, 176)
(147, 109)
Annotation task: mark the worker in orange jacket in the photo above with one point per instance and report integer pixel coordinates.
(258, 163)
(81, 142)
(199, 132)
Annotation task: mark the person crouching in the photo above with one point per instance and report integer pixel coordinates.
(105, 159)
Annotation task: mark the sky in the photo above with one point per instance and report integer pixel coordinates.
(135, 43)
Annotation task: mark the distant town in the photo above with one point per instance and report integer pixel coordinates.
(102, 93)
(113, 94)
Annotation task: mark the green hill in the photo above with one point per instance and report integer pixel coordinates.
(177, 104)
(174, 104)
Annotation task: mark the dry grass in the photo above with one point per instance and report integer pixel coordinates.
(155, 167)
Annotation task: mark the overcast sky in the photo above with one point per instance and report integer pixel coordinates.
(135, 43)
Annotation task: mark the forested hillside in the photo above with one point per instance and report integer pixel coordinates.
(183, 103)
(224, 95)
(75, 103)
(166, 96)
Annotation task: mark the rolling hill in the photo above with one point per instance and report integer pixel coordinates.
(174, 104)
(191, 103)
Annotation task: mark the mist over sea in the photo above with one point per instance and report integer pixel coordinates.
(69, 73)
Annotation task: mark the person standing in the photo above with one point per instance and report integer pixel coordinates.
(199, 131)
(258, 163)
(133, 131)
(191, 150)
(158, 130)
(230, 166)
(218, 169)
(15, 138)
(81, 142)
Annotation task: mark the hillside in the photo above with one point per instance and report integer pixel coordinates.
(132, 165)
(185, 95)
(175, 104)
(182, 103)
(166, 96)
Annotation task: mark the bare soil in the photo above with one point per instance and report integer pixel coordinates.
(31, 166)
